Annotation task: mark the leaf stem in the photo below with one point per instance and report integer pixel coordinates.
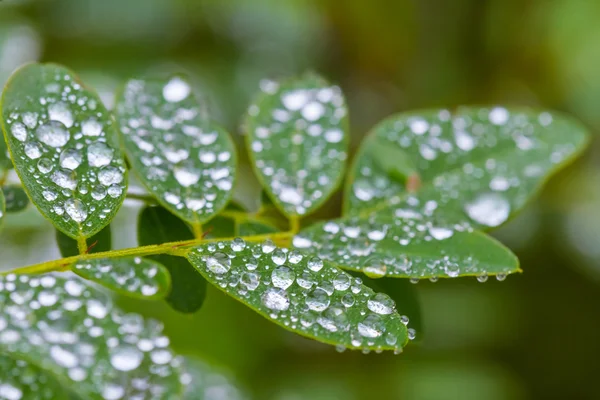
(197, 229)
(146, 198)
(82, 245)
(173, 248)
(294, 224)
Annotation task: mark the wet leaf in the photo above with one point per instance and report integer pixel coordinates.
(66, 327)
(130, 276)
(252, 227)
(62, 142)
(407, 248)
(101, 241)
(205, 383)
(297, 139)
(302, 293)
(475, 165)
(16, 198)
(156, 225)
(186, 161)
(20, 379)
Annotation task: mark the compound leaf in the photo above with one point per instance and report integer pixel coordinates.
(407, 248)
(62, 142)
(16, 198)
(302, 293)
(101, 241)
(475, 165)
(297, 139)
(71, 330)
(186, 161)
(130, 276)
(156, 225)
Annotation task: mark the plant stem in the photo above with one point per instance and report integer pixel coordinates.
(173, 248)
(82, 245)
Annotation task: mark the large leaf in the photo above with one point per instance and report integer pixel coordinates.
(205, 383)
(186, 161)
(474, 165)
(20, 379)
(130, 276)
(407, 248)
(62, 142)
(71, 330)
(101, 241)
(302, 293)
(16, 198)
(297, 139)
(156, 225)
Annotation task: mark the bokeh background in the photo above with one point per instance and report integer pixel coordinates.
(533, 336)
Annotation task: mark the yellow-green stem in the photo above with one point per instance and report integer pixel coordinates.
(197, 228)
(82, 245)
(172, 248)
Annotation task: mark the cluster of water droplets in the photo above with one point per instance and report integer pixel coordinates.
(21, 380)
(204, 383)
(303, 293)
(305, 121)
(66, 326)
(135, 275)
(186, 160)
(62, 151)
(406, 248)
(475, 165)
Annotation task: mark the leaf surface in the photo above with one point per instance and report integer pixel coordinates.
(20, 379)
(130, 276)
(156, 225)
(206, 383)
(185, 160)
(297, 139)
(407, 248)
(302, 293)
(62, 142)
(475, 165)
(69, 329)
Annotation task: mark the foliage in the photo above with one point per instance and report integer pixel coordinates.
(420, 191)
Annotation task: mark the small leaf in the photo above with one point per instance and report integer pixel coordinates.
(16, 198)
(252, 227)
(68, 328)
(297, 138)
(302, 293)
(101, 241)
(156, 225)
(62, 142)
(130, 276)
(476, 165)
(20, 379)
(405, 248)
(205, 383)
(187, 162)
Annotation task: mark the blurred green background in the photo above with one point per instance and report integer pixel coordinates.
(533, 336)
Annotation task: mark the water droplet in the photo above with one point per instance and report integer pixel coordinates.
(53, 134)
(45, 165)
(176, 90)
(76, 210)
(238, 244)
(381, 303)
(268, 246)
(65, 178)
(60, 112)
(278, 256)
(250, 280)
(483, 277)
(500, 277)
(372, 326)
(91, 127)
(218, 263)
(276, 299)
(126, 358)
(187, 175)
(110, 176)
(341, 282)
(315, 264)
(99, 154)
(70, 159)
(318, 300)
(294, 257)
(490, 209)
(19, 131)
(283, 277)
(33, 150)
(374, 267)
(440, 233)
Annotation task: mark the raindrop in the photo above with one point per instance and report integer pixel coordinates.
(318, 300)
(276, 299)
(126, 358)
(218, 263)
(372, 326)
(53, 134)
(70, 159)
(99, 154)
(176, 90)
(315, 264)
(283, 277)
(76, 210)
(381, 303)
(490, 209)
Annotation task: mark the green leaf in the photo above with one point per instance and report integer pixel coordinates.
(62, 143)
(252, 227)
(297, 139)
(69, 329)
(186, 161)
(20, 379)
(101, 241)
(407, 248)
(156, 225)
(302, 294)
(476, 165)
(205, 383)
(16, 198)
(130, 276)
